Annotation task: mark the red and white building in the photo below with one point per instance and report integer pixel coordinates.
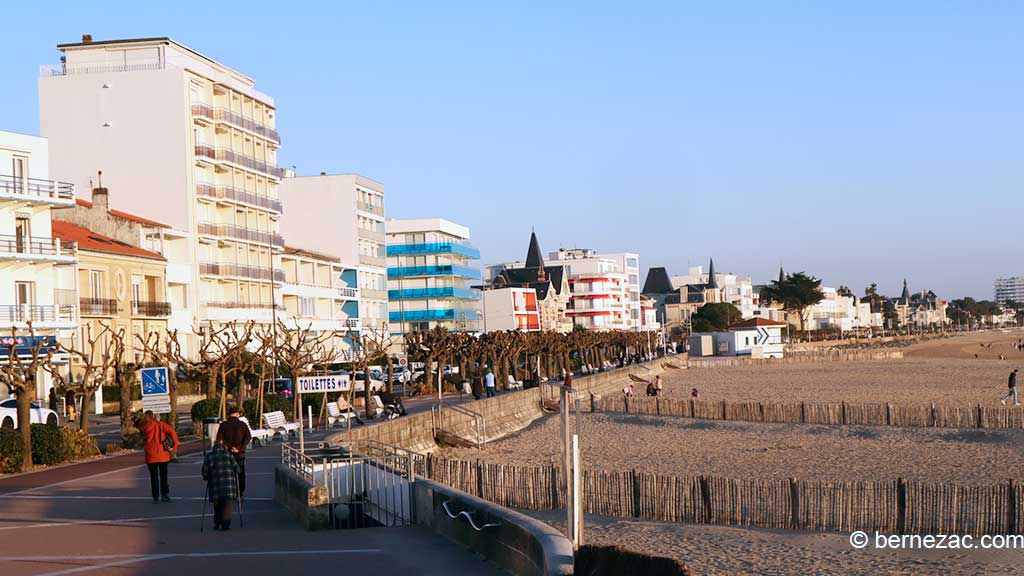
(600, 301)
(511, 308)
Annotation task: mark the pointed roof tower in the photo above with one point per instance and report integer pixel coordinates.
(533, 256)
(782, 275)
(712, 283)
(905, 296)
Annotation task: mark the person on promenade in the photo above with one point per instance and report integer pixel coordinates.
(1011, 391)
(159, 440)
(69, 401)
(53, 398)
(489, 383)
(658, 387)
(220, 470)
(235, 436)
(627, 390)
(478, 387)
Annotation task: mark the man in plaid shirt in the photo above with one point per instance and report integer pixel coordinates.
(220, 470)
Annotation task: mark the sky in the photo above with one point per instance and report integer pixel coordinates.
(863, 142)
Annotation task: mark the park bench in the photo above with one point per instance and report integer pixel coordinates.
(514, 384)
(276, 422)
(260, 436)
(335, 413)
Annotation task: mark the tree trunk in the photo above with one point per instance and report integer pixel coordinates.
(24, 410)
(428, 373)
(125, 405)
(371, 410)
(172, 385)
(391, 373)
(83, 416)
(223, 393)
(211, 384)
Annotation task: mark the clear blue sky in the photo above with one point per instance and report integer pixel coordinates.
(861, 143)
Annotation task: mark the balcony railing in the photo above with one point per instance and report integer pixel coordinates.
(460, 248)
(63, 70)
(436, 270)
(241, 271)
(36, 313)
(228, 155)
(456, 292)
(233, 304)
(352, 323)
(371, 208)
(443, 314)
(235, 119)
(36, 188)
(238, 195)
(348, 293)
(151, 308)
(98, 306)
(204, 111)
(32, 245)
(240, 233)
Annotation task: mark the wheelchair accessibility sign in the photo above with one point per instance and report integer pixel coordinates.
(154, 381)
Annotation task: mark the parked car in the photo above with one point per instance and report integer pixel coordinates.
(359, 382)
(37, 414)
(401, 375)
(281, 386)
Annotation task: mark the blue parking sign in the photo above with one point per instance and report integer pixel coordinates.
(154, 381)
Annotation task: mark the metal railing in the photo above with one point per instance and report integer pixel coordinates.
(297, 462)
(240, 271)
(228, 155)
(34, 187)
(234, 304)
(36, 313)
(438, 420)
(371, 208)
(63, 70)
(240, 233)
(352, 323)
(150, 308)
(238, 195)
(98, 306)
(348, 292)
(203, 111)
(226, 116)
(36, 245)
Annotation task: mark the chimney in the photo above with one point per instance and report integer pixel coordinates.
(101, 199)
(86, 38)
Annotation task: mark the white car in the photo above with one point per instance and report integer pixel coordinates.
(37, 414)
(359, 382)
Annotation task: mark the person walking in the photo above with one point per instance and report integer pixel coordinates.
(220, 470)
(159, 440)
(53, 398)
(69, 401)
(658, 388)
(235, 436)
(489, 383)
(1011, 386)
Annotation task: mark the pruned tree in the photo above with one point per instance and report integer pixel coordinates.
(370, 345)
(96, 358)
(163, 349)
(19, 374)
(300, 350)
(217, 356)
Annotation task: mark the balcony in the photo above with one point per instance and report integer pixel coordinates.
(226, 116)
(460, 248)
(240, 233)
(348, 293)
(233, 304)
(371, 294)
(445, 292)
(34, 189)
(371, 208)
(436, 270)
(98, 306)
(150, 308)
(352, 323)
(240, 271)
(243, 160)
(238, 195)
(443, 314)
(203, 112)
(38, 315)
(371, 235)
(36, 248)
(376, 261)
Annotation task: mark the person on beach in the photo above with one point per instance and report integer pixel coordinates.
(235, 436)
(627, 390)
(159, 441)
(658, 387)
(652, 390)
(489, 383)
(1011, 391)
(694, 393)
(220, 470)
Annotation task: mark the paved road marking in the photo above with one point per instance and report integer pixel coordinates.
(73, 480)
(124, 559)
(82, 497)
(114, 521)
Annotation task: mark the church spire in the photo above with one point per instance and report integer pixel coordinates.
(533, 256)
(905, 296)
(782, 275)
(712, 283)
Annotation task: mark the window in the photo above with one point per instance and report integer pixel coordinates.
(95, 284)
(136, 290)
(25, 293)
(307, 307)
(20, 172)
(22, 233)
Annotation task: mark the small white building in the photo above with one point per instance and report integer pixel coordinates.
(512, 308)
(756, 337)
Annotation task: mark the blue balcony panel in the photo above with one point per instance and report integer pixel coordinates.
(435, 270)
(426, 293)
(434, 248)
(442, 314)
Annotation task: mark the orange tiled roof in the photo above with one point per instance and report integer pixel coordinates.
(125, 215)
(95, 242)
(756, 322)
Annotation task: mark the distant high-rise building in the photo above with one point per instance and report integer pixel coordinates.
(1008, 289)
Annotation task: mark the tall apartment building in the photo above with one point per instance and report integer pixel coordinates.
(343, 215)
(37, 271)
(629, 264)
(1011, 288)
(600, 290)
(320, 294)
(429, 276)
(187, 141)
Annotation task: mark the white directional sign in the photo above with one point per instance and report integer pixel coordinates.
(331, 383)
(157, 404)
(154, 382)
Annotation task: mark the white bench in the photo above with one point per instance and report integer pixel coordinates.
(378, 407)
(514, 384)
(335, 414)
(260, 436)
(276, 422)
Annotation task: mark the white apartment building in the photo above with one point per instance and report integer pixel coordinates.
(737, 290)
(629, 264)
(343, 215)
(38, 282)
(511, 308)
(320, 294)
(431, 277)
(600, 290)
(1008, 289)
(186, 141)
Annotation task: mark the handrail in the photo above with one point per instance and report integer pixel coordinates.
(468, 517)
(479, 422)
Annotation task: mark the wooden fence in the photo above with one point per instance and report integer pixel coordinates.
(897, 506)
(829, 413)
(798, 357)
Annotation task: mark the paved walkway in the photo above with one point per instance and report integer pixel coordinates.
(98, 518)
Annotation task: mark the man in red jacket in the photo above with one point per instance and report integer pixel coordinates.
(159, 440)
(236, 437)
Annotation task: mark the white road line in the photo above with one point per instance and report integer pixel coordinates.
(119, 470)
(123, 560)
(81, 497)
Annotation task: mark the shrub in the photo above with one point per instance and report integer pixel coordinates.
(10, 451)
(112, 393)
(79, 444)
(271, 403)
(48, 446)
(205, 409)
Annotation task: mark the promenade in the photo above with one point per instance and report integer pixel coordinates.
(98, 518)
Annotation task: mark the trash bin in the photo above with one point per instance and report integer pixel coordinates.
(211, 425)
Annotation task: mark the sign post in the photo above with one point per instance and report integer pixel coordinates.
(155, 391)
(318, 384)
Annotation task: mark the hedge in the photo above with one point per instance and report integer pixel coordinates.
(50, 445)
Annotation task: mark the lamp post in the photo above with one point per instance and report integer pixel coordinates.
(273, 303)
